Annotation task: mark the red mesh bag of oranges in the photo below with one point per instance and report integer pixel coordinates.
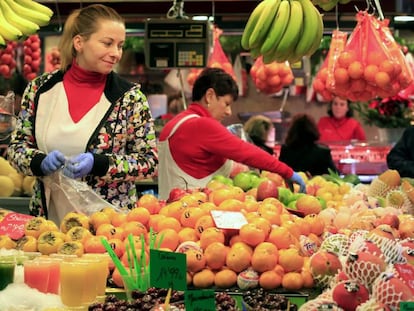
(367, 67)
(217, 59)
(337, 45)
(272, 77)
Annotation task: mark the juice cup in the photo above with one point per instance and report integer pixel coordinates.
(102, 272)
(73, 281)
(36, 274)
(54, 273)
(7, 266)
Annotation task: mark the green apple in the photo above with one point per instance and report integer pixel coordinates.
(292, 205)
(284, 195)
(256, 180)
(243, 180)
(295, 196)
(223, 179)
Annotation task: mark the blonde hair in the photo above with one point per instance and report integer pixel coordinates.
(84, 22)
(258, 127)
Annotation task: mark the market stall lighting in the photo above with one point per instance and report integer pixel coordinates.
(203, 18)
(403, 19)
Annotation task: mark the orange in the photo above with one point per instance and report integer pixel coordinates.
(293, 228)
(215, 255)
(252, 234)
(190, 216)
(250, 205)
(93, 244)
(110, 231)
(308, 281)
(355, 70)
(203, 279)
(190, 200)
(272, 69)
(292, 281)
(270, 280)
(219, 195)
(153, 221)
(150, 202)
(291, 260)
(238, 259)
(117, 246)
(117, 279)
(206, 207)
(138, 251)
(317, 225)
(341, 75)
(263, 261)
(304, 226)
(135, 228)
(215, 184)
(175, 209)
(277, 205)
(119, 219)
(169, 239)
(200, 196)
(203, 223)
(225, 278)
(262, 223)
(231, 205)
(169, 222)
(238, 193)
(98, 218)
(358, 85)
(210, 235)
(382, 79)
(369, 72)
(140, 214)
(187, 234)
(387, 66)
(234, 239)
(195, 260)
(282, 238)
(272, 216)
(346, 58)
(110, 212)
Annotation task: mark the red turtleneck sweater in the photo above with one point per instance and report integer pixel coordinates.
(344, 129)
(83, 89)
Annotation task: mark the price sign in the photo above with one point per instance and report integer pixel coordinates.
(407, 306)
(168, 270)
(13, 225)
(228, 219)
(200, 300)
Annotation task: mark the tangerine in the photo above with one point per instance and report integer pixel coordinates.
(369, 72)
(195, 260)
(219, 195)
(238, 259)
(387, 66)
(110, 231)
(231, 205)
(382, 79)
(150, 202)
(215, 255)
(290, 260)
(282, 238)
(263, 261)
(262, 223)
(98, 218)
(204, 222)
(225, 278)
(169, 222)
(187, 234)
(210, 235)
(117, 246)
(167, 238)
(203, 279)
(341, 75)
(270, 280)
(139, 214)
(292, 281)
(190, 215)
(119, 219)
(93, 244)
(153, 221)
(251, 234)
(346, 58)
(135, 228)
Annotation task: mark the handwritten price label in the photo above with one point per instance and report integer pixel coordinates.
(168, 270)
(13, 225)
(200, 300)
(228, 219)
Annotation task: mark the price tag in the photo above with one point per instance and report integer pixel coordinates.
(13, 225)
(200, 300)
(168, 270)
(228, 219)
(407, 306)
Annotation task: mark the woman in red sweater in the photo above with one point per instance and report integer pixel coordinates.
(340, 124)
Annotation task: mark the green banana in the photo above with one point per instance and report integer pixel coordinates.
(25, 26)
(2, 42)
(263, 25)
(36, 17)
(328, 6)
(277, 29)
(7, 30)
(317, 42)
(251, 23)
(33, 5)
(311, 30)
(292, 34)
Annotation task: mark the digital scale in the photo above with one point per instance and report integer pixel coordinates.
(177, 43)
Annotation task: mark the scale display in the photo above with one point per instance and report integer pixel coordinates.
(177, 43)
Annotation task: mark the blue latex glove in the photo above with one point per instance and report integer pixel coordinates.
(53, 161)
(79, 166)
(297, 179)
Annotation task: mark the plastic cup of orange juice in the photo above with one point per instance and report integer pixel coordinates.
(73, 282)
(102, 271)
(36, 274)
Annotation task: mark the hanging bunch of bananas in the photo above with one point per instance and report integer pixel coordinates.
(283, 30)
(21, 18)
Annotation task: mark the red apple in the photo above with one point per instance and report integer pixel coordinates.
(267, 189)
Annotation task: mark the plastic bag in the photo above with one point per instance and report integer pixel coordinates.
(320, 83)
(69, 195)
(272, 77)
(370, 64)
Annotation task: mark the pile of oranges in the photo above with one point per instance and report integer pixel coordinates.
(272, 77)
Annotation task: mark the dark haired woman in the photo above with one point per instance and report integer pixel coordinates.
(301, 150)
(340, 124)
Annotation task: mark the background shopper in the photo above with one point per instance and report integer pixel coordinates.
(260, 129)
(195, 146)
(340, 125)
(301, 150)
(85, 117)
(401, 155)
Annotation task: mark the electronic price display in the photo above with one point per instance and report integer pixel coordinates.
(177, 43)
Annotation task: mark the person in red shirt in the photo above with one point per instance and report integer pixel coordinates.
(340, 124)
(194, 146)
(175, 105)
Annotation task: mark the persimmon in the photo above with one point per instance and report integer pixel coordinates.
(110, 231)
(98, 218)
(6, 242)
(27, 244)
(153, 221)
(71, 248)
(118, 246)
(78, 234)
(119, 219)
(49, 241)
(33, 227)
(74, 219)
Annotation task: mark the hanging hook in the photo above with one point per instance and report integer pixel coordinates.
(177, 10)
